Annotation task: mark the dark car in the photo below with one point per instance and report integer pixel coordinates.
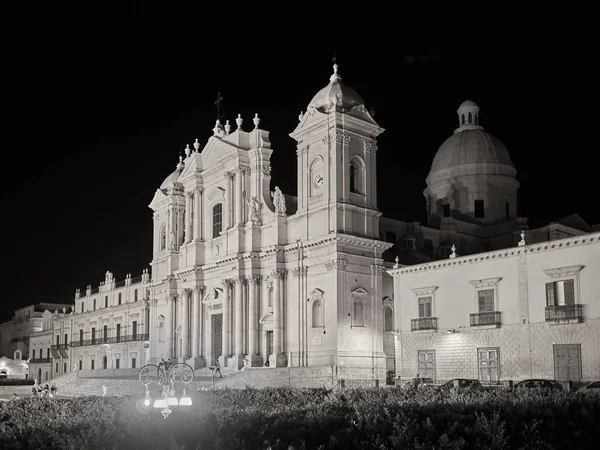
(416, 383)
(462, 383)
(593, 385)
(536, 383)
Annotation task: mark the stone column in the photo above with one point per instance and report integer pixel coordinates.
(238, 196)
(226, 316)
(278, 276)
(254, 358)
(188, 217)
(239, 321)
(199, 361)
(169, 326)
(185, 324)
(195, 320)
(198, 214)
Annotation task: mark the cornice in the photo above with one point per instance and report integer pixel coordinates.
(577, 241)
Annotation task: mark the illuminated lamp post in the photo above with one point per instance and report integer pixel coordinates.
(165, 374)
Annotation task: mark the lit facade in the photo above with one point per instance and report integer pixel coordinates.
(244, 275)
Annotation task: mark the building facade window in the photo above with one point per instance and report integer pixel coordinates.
(81, 337)
(359, 313)
(446, 209)
(119, 298)
(489, 364)
(217, 220)
(560, 293)
(135, 295)
(134, 329)
(485, 300)
(92, 364)
(163, 237)
(425, 307)
(94, 304)
(317, 314)
(133, 363)
(388, 318)
(106, 301)
(117, 361)
(479, 209)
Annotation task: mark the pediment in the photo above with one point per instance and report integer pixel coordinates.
(217, 193)
(359, 291)
(317, 292)
(267, 318)
(215, 151)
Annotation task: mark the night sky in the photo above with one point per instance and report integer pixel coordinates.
(96, 114)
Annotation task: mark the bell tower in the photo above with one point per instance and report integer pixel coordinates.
(337, 163)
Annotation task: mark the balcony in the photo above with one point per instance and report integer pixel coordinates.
(110, 340)
(423, 323)
(564, 313)
(40, 360)
(491, 318)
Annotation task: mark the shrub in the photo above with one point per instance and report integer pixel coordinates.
(285, 418)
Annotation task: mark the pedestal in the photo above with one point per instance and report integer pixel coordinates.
(236, 362)
(254, 361)
(197, 363)
(278, 360)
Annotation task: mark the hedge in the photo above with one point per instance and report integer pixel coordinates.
(298, 419)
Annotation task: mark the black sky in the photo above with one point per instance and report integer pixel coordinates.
(97, 110)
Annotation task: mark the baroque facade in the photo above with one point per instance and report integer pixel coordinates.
(244, 275)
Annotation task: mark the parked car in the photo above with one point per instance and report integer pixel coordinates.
(592, 385)
(538, 383)
(462, 383)
(417, 383)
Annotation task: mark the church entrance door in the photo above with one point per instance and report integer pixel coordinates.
(269, 343)
(217, 337)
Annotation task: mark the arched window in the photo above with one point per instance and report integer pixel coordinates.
(217, 220)
(317, 314)
(462, 119)
(17, 354)
(161, 332)
(354, 187)
(163, 237)
(359, 313)
(388, 319)
(470, 118)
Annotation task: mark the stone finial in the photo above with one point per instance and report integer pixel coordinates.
(239, 121)
(256, 120)
(397, 264)
(522, 241)
(64, 310)
(180, 164)
(197, 145)
(301, 116)
(227, 127)
(187, 150)
(453, 254)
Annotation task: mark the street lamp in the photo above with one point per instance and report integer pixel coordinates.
(165, 374)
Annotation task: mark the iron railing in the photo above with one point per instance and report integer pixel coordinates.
(564, 313)
(40, 360)
(423, 323)
(486, 318)
(110, 340)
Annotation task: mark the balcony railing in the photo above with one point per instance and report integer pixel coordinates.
(423, 323)
(486, 318)
(59, 347)
(564, 313)
(40, 360)
(110, 340)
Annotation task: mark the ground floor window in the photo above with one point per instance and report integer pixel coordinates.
(80, 365)
(117, 363)
(489, 364)
(92, 361)
(133, 363)
(426, 361)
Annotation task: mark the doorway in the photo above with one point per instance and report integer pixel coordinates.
(216, 321)
(567, 362)
(269, 344)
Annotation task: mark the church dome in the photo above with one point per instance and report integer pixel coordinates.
(171, 180)
(336, 93)
(470, 150)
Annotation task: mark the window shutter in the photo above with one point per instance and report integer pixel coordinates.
(550, 294)
(569, 292)
(486, 300)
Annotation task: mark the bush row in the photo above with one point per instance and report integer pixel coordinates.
(286, 418)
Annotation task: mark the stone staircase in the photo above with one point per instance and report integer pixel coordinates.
(72, 385)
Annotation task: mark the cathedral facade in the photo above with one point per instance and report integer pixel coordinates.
(244, 275)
